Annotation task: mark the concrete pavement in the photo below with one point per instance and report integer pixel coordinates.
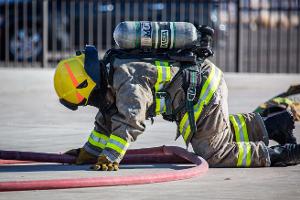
(31, 119)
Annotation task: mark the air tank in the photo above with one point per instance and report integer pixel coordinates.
(155, 35)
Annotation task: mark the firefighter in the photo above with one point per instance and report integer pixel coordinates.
(128, 90)
(289, 100)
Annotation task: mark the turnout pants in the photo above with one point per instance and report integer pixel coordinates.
(224, 140)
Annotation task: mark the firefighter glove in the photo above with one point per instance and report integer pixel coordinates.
(103, 164)
(82, 156)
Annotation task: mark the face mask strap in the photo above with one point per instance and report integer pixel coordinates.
(72, 106)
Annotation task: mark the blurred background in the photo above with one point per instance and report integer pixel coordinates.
(250, 35)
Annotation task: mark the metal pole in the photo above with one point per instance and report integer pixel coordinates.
(26, 30)
(217, 43)
(278, 54)
(228, 38)
(269, 39)
(81, 24)
(109, 27)
(298, 39)
(288, 43)
(90, 22)
(72, 26)
(16, 30)
(34, 28)
(249, 38)
(145, 11)
(6, 33)
(45, 33)
(259, 46)
(100, 25)
(173, 11)
(237, 47)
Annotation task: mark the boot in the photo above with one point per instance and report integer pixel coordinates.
(282, 156)
(280, 127)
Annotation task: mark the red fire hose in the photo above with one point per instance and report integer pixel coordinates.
(156, 155)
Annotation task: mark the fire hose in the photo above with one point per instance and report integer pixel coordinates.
(155, 155)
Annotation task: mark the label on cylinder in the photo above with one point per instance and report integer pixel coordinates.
(165, 34)
(146, 34)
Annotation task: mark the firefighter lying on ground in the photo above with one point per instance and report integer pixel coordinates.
(130, 87)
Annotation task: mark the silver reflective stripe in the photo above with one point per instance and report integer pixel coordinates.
(121, 146)
(241, 133)
(117, 144)
(99, 140)
(162, 104)
(210, 85)
(110, 156)
(92, 149)
(245, 154)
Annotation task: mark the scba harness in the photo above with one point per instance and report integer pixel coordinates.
(190, 61)
(189, 73)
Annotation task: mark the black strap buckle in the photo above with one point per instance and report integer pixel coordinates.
(161, 95)
(191, 93)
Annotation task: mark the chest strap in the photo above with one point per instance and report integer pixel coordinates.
(191, 85)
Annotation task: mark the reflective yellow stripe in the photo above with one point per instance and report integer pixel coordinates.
(236, 128)
(182, 122)
(157, 106)
(168, 71)
(237, 136)
(98, 139)
(159, 76)
(116, 148)
(94, 143)
(116, 138)
(160, 106)
(281, 100)
(118, 144)
(163, 76)
(246, 138)
(241, 154)
(242, 139)
(244, 157)
(207, 82)
(100, 135)
(207, 91)
(248, 158)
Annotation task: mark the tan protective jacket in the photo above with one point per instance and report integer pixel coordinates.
(131, 100)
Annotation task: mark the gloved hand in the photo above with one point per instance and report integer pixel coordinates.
(103, 164)
(73, 152)
(83, 157)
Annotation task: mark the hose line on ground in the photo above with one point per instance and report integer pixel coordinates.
(155, 155)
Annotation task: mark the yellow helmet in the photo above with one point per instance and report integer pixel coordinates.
(71, 82)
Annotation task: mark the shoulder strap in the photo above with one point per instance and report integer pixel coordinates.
(192, 82)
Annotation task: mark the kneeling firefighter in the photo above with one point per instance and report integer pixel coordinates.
(161, 69)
